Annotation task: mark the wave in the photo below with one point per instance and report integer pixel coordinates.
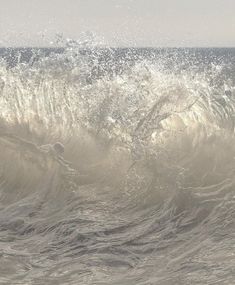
(145, 189)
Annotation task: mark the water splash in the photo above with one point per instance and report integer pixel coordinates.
(144, 192)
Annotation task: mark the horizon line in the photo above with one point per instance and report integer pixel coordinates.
(120, 47)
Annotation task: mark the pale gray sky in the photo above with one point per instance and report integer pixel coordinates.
(119, 22)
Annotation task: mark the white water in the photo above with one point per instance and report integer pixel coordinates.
(147, 195)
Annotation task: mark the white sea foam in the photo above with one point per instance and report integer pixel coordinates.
(144, 192)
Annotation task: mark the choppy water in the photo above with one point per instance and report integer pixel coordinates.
(147, 192)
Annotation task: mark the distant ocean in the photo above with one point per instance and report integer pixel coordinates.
(117, 166)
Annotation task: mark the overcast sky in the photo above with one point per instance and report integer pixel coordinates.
(119, 22)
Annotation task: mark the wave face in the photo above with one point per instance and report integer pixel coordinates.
(144, 193)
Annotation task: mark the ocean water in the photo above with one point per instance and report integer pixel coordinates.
(144, 192)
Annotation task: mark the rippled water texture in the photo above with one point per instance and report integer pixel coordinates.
(144, 192)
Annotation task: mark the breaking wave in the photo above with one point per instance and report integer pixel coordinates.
(144, 192)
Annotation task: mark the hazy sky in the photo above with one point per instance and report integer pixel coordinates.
(119, 22)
